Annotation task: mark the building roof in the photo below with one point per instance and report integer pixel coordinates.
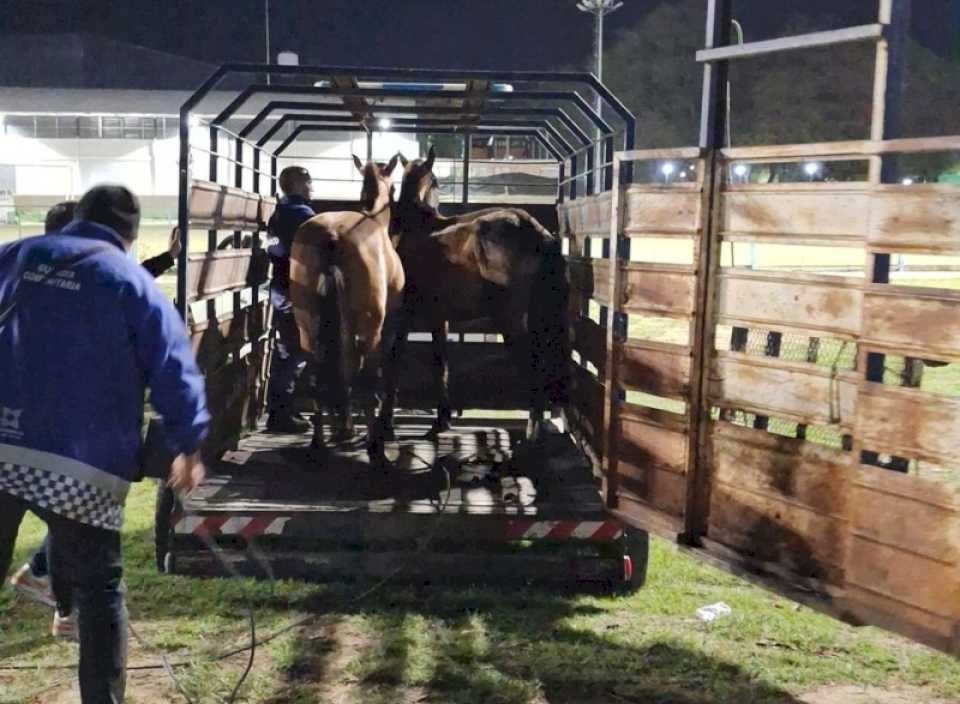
(87, 61)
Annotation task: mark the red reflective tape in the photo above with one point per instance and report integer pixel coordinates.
(563, 529)
(607, 531)
(518, 529)
(211, 526)
(257, 526)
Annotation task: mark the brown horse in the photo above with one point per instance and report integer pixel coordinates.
(345, 279)
(498, 263)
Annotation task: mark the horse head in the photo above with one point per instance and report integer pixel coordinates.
(419, 186)
(377, 191)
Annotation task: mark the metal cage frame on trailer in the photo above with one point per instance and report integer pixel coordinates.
(476, 118)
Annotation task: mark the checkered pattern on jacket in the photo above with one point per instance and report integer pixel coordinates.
(65, 496)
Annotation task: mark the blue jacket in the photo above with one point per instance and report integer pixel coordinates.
(77, 353)
(291, 213)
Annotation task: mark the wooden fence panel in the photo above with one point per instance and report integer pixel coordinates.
(824, 304)
(918, 219)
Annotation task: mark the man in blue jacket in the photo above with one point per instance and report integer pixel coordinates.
(289, 359)
(33, 580)
(83, 332)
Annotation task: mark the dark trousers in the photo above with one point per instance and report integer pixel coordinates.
(86, 572)
(38, 563)
(288, 359)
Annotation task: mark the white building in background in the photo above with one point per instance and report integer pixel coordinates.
(56, 143)
(66, 124)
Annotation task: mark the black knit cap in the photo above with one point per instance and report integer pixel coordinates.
(59, 216)
(113, 206)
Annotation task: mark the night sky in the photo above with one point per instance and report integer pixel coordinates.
(499, 34)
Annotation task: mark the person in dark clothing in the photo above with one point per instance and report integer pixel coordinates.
(84, 332)
(289, 359)
(33, 578)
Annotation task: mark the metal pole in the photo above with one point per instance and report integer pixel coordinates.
(467, 139)
(266, 24)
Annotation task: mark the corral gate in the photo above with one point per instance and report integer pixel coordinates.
(746, 412)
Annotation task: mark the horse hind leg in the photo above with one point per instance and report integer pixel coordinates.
(441, 364)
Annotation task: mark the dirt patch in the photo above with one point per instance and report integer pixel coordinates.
(850, 694)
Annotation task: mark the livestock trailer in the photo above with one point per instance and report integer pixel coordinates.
(789, 418)
(469, 506)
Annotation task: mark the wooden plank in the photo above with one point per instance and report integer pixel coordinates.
(634, 512)
(773, 387)
(865, 605)
(268, 204)
(205, 203)
(924, 322)
(907, 513)
(801, 213)
(589, 277)
(589, 215)
(661, 491)
(921, 219)
(658, 288)
(590, 341)
(213, 273)
(784, 469)
(661, 211)
(764, 528)
(905, 578)
(852, 148)
(213, 341)
(656, 368)
(646, 444)
(802, 301)
(908, 423)
(661, 154)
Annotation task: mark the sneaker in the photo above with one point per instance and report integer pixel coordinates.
(277, 423)
(34, 587)
(65, 626)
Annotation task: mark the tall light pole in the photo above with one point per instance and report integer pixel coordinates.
(266, 31)
(599, 9)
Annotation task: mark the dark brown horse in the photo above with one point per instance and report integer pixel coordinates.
(500, 264)
(345, 279)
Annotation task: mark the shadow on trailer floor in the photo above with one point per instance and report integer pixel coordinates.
(490, 472)
(474, 505)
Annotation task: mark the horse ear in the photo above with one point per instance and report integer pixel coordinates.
(391, 165)
(431, 155)
(358, 163)
(403, 159)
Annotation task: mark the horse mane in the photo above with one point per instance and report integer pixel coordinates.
(370, 190)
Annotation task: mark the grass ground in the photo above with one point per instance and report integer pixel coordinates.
(479, 645)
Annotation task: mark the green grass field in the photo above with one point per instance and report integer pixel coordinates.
(477, 645)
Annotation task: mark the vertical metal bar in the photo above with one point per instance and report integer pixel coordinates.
(369, 144)
(591, 171)
(573, 177)
(214, 175)
(467, 139)
(561, 174)
(697, 506)
(273, 175)
(183, 213)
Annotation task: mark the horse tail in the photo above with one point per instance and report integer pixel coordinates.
(548, 324)
(318, 294)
